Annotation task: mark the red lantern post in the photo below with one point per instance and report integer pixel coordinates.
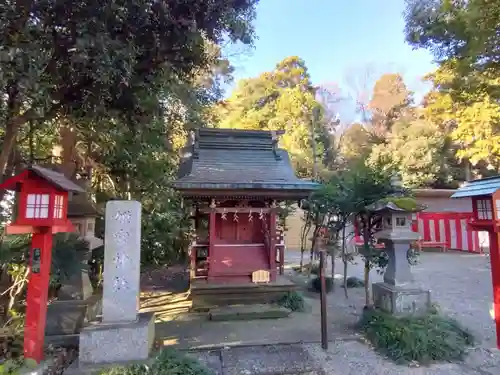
(42, 211)
(485, 194)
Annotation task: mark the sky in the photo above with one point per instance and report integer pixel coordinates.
(340, 40)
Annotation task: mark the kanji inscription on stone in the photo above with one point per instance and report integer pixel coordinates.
(122, 252)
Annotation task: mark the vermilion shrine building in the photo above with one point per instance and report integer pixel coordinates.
(234, 180)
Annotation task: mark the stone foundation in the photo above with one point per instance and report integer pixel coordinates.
(109, 343)
(401, 300)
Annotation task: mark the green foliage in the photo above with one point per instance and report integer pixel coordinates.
(14, 252)
(464, 108)
(354, 282)
(463, 30)
(316, 284)
(282, 99)
(415, 149)
(293, 301)
(17, 366)
(167, 362)
(416, 339)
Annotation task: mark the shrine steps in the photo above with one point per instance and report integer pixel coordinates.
(247, 312)
(208, 295)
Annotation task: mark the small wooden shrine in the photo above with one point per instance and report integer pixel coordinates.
(234, 180)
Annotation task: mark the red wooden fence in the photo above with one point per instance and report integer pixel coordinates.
(450, 228)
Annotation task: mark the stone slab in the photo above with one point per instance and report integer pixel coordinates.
(122, 261)
(108, 343)
(400, 300)
(248, 312)
(269, 360)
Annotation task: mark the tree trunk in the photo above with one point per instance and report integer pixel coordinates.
(368, 290)
(9, 140)
(344, 259)
(366, 242)
(303, 240)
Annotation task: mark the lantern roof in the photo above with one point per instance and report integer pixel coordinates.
(52, 177)
(393, 205)
(483, 186)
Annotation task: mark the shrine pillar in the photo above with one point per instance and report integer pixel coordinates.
(211, 233)
(495, 278)
(272, 241)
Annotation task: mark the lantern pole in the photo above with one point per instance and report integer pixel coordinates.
(38, 287)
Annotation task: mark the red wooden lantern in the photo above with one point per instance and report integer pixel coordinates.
(42, 210)
(485, 195)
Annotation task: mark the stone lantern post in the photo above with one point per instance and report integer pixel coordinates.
(397, 294)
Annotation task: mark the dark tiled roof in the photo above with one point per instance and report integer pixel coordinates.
(237, 159)
(484, 186)
(82, 208)
(56, 178)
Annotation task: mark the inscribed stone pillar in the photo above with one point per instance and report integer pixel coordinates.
(122, 260)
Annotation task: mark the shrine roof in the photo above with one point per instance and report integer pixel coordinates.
(238, 159)
(484, 186)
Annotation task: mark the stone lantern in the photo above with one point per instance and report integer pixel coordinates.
(397, 294)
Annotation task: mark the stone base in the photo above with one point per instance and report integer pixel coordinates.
(401, 300)
(121, 341)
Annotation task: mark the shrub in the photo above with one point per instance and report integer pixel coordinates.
(316, 284)
(17, 366)
(424, 339)
(354, 282)
(167, 362)
(315, 269)
(293, 301)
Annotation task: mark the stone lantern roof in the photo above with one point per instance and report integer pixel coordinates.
(396, 205)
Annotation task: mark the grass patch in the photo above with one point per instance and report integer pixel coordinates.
(167, 362)
(424, 340)
(293, 301)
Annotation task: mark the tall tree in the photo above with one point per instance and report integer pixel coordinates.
(356, 143)
(462, 106)
(467, 31)
(390, 100)
(282, 99)
(93, 60)
(417, 150)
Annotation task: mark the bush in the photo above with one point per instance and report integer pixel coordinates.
(316, 284)
(17, 366)
(416, 339)
(167, 362)
(293, 301)
(354, 282)
(315, 269)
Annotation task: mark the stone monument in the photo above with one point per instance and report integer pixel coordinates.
(123, 334)
(398, 294)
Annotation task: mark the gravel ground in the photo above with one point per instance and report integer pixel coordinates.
(460, 284)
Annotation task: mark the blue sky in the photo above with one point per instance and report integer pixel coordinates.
(338, 39)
